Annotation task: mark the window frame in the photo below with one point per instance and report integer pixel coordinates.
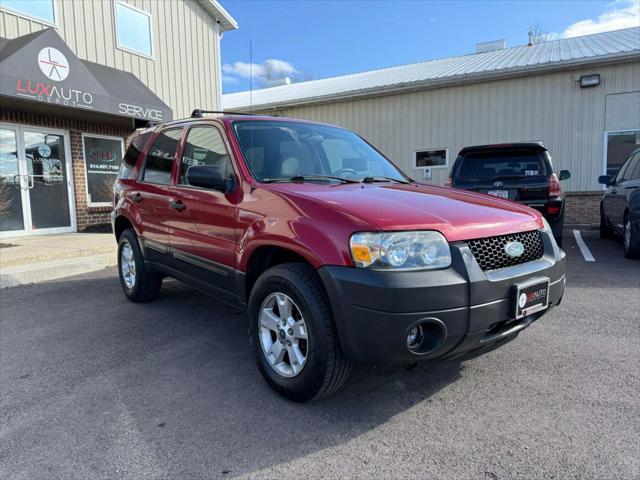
(91, 204)
(44, 21)
(427, 149)
(605, 148)
(178, 156)
(124, 48)
(185, 136)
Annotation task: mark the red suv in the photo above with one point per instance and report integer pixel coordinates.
(334, 253)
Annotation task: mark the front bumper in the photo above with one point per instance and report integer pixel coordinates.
(374, 310)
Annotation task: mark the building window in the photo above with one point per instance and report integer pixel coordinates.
(619, 147)
(133, 30)
(431, 158)
(102, 157)
(42, 10)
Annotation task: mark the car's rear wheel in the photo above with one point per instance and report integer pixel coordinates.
(605, 229)
(631, 237)
(293, 334)
(138, 284)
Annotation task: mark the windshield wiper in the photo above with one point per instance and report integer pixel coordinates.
(382, 179)
(303, 178)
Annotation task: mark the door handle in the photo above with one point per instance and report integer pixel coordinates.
(177, 205)
(632, 187)
(137, 197)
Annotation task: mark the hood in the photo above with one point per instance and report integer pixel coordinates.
(457, 214)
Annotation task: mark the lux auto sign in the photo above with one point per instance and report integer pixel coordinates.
(55, 66)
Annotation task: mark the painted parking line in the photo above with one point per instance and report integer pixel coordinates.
(586, 253)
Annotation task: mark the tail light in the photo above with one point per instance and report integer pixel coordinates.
(447, 183)
(554, 186)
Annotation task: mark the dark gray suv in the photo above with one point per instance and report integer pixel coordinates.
(620, 206)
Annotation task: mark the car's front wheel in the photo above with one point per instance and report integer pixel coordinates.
(631, 237)
(138, 284)
(293, 334)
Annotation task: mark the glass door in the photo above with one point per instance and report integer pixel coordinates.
(46, 163)
(12, 183)
(35, 181)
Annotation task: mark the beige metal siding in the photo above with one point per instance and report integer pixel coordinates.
(184, 71)
(551, 108)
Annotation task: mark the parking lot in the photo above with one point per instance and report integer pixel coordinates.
(94, 386)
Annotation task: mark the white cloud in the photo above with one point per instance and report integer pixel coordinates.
(229, 80)
(620, 14)
(259, 71)
(279, 66)
(242, 69)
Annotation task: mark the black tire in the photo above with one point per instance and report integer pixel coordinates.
(146, 285)
(631, 238)
(326, 369)
(605, 229)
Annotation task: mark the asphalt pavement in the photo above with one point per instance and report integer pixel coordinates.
(95, 387)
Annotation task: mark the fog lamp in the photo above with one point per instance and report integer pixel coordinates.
(414, 339)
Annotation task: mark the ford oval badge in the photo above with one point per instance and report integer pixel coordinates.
(514, 249)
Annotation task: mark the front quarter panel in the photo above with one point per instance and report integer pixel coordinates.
(319, 234)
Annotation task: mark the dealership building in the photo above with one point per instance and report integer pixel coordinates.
(579, 96)
(76, 80)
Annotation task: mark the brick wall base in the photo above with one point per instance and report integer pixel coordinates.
(85, 215)
(582, 208)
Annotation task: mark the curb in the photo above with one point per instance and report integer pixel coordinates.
(53, 270)
(38, 259)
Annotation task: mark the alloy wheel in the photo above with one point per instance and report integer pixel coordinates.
(283, 335)
(627, 234)
(128, 266)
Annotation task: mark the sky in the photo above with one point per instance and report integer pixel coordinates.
(320, 39)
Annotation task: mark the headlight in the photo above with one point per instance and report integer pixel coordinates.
(400, 250)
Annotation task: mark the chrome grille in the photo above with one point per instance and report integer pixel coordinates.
(491, 255)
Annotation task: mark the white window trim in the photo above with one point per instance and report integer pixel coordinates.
(33, 18)
(91, 204)
(115, 29)
(415, 157)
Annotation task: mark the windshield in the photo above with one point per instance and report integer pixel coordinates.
(493, 165)
(290, 151)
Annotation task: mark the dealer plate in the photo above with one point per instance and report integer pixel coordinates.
(499, 193)
(532, 297)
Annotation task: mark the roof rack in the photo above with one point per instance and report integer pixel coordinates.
(198, 113)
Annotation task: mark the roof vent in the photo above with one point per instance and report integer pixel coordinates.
(483, 47)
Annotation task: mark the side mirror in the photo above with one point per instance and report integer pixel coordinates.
(210, 176)
(605, 179)
(565, 175)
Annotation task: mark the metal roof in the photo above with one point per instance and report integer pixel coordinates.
(567, 52)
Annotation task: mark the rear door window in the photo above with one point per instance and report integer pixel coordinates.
(159, 162)
(132, 154)
(501, 165)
